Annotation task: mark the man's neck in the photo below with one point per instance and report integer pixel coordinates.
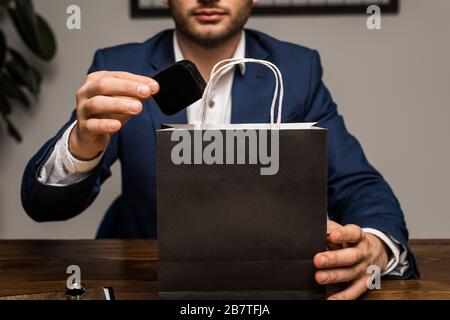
(206, 57)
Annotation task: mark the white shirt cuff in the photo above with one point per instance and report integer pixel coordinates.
(62, 168)
(398, 263)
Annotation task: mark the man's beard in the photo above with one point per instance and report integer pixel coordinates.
(210, 38)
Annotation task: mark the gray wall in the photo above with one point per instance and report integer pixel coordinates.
(392, 86)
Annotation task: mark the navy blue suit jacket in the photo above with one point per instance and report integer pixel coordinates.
(357, 193)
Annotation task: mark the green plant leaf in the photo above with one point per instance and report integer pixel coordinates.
(2, 48)
(47, 41)
(17, 57)
(36, 76)
(8, 88)
(5, 111)
(5, 106)
(21, 76)
(23, 73)
(16, 74)
(12, 130)
(33, 29)
(24, 19)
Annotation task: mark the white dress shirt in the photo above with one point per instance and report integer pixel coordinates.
(63, 169)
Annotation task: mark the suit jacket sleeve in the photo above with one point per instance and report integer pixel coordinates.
(54, 203)
(357, 193)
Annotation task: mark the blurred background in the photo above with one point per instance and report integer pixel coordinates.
(392, 86)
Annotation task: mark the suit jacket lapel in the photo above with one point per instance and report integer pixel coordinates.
(252, 92)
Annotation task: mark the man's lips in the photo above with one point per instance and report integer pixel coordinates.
(209, 15)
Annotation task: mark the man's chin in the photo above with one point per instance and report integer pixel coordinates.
(209, 37)
(209, 29)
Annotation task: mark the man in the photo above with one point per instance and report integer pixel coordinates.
(116, 119)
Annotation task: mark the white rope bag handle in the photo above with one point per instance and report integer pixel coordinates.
(224, 66)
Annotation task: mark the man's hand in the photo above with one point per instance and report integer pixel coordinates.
(352, 251)
(105, 103)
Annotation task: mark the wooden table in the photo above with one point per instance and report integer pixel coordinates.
(130, 267)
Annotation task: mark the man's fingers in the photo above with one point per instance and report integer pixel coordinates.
(353, 291)
(338, 258)
(111, 86)
(120, 75)
(340, 275)
(111, 105)
(348, 234)
(101, 126)
(121, 117)
(331, 225)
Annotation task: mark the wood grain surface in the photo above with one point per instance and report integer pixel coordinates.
(130, 267)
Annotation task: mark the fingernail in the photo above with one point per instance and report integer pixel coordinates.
(154, 86)
(338, 236)
(323, 261)
(134, 106)
(143, 90)
(113, 126)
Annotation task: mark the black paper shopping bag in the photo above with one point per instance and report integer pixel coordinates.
(241, 210)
